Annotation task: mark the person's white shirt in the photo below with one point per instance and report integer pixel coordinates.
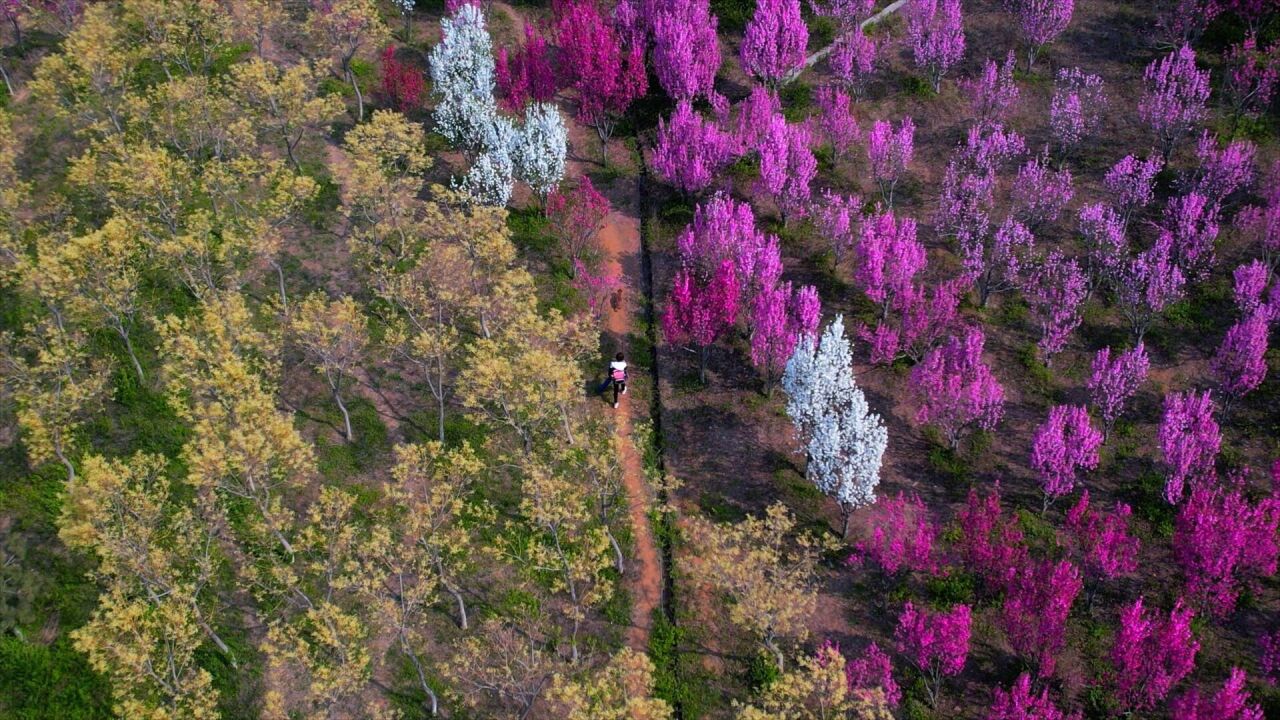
(617, 365)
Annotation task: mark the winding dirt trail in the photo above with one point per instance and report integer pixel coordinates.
(620, 239)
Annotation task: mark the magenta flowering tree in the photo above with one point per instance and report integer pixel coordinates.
(1064, 444)
(1019, 703)
(1223, 543)
(755, 117)
(526, 75)
(889, 258)
(574, 213)
(1035, 610)
(889, 152)
(873, 671)
(903, 535)
(1240, 364)
(995, 263)
(1250, 281)
(955, 390)
(1041, 22)
(991, 544)
(1230, 702)
(690, 151)
(1131, 184)
(724, 230)
(1252, 77)
(1055, 289)
(835, 119)
(1040, 193)
(1260, 225)
(1269, 657)
(1182, 21)
(919, 318)
(686, 51)
(853, 60)
(847, 14)
(993, 93)
(1148, 284)
(1075, 112)
(1174, 98)
(1223, 170)
(1113, 383)
(834, 216)
(596, 285)
(965, 208)
(1151, 654)
(935, 30)
(774, 43)
(1100, 543)
(606, 73)
(1106, 247)
(1189, 441)
(700, 310)
(787, 166)
(1191, 221)
(935, 642)
(779, 318)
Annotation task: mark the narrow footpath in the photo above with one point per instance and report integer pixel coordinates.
(620, 239)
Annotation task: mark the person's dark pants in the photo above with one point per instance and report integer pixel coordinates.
(619, 386)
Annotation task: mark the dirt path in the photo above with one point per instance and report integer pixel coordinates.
(620, 239)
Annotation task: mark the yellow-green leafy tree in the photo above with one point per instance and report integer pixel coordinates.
(284, 103)
(621, 690)
(194, 116)
(181, 37)
(340, 28)
(89, 82)
(763, 569)
(334, 337)
(507, 660)
(14, 195)
(816, 689)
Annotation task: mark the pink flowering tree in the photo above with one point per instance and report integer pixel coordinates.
(1151, 654)
(1269, 657)
(1041, 22)
(690, 151)
(606, 74)
(700, 310)
(574, 213)
(1250, 281)
(937, 643)
(1148, 284)
(1224, 169)
(835, 215)
(1099, 542)
(995, 263)
(847, 14)
(1040, 193)
(1230, 702)
(1113, 382)
(1131, 184)
(890, 151)
(935, 31)
(902, 538)
(1182, 21)
(955, 390)
(1075, 112)
(525, 75)
(1173, 101)
(993, 93)
(774, 43)
(888, 259)
(1252, 77)
(756, 116)
(873, 671)
(1019, 703)
(1061, 447)
(779, 318)
(1224, 543)
(686, 51)
(853, 60)
(787, 166)
(1189, 441)
(1035, 610)
(836, 121)
(1055, 289)
(1106, 247)
(919, 318)
(724, 229)
(991, 544)
(1260, 225)
(1240, 364)
(1191, 223)
(596, 286)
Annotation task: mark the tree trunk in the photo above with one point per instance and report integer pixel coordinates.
(128, 346)
(284, 296)
(702, 364)
(617, 550)
(457, 596)
(355, 85)
(422, 676)
(346, 417)
(440, 414)
(71, 469)
(8, 85)
(847, 514)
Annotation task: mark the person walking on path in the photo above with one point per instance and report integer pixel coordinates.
(617, 377)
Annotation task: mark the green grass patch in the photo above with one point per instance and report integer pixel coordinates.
(716, 507)
(951, 587)
(678, 675)
(339, 461)
(918, 87)
(50, 682)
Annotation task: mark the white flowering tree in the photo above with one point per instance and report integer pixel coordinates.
(540, 149)
(844, 441)
(490, 178)
(462, 80)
